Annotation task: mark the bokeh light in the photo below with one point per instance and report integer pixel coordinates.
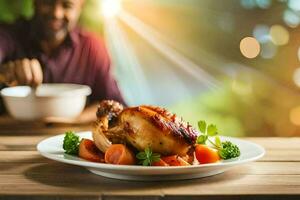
(298, 54)
(111, 8)
(295, 115)
(268, 50)
(294, 5)
(296, 77)
(279, 35)
(291, 18)
(264, 4)
(261, 33)
(249, 47)
(248, 4)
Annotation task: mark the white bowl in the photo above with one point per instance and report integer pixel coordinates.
(48, 100)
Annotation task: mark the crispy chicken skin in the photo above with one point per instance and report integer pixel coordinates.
(142, 127)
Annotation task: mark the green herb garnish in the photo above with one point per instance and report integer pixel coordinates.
(229, 150)
(226, 150)
(147, 157)
(210, 130)
(71, 143)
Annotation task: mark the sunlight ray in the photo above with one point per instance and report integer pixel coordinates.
(125, 59)
(154, 39)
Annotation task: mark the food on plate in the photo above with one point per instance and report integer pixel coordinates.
(206, 154)
(119, 154)
(89, 151)
(175, 160)
(229, 150)
(71, 143)
(147, 157)
(149, 136)
(141, 127)
(160, 163)
(226, 150)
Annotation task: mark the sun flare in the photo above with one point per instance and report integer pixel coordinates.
(111, 8)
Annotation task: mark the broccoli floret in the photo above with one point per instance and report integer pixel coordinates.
(229, 150)
(71, 143)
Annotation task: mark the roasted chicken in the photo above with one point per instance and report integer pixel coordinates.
(142, 127)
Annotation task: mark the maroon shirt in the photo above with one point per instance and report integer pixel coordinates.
(81, 59)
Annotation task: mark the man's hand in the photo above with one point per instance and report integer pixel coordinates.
(22, 72)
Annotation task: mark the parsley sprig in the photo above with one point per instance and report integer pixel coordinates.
(71, 143)
(147, 157)
(210, 130)
(226, 150)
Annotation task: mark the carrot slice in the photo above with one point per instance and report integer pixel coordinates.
(89, 151)
(119, 154)
(159, 163)
(175, 160)
(206, 154)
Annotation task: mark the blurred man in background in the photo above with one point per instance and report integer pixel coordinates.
(50, 48)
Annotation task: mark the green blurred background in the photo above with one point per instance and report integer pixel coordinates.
(11, 10)
(186, 56)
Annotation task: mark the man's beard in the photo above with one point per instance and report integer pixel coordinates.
(47, 33)
(55, 35)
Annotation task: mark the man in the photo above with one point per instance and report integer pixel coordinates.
(51, 49)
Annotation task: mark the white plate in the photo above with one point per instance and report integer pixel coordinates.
(52, 148)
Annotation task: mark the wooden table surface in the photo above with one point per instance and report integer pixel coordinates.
(25, 174)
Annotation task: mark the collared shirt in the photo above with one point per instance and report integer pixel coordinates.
(82, 58)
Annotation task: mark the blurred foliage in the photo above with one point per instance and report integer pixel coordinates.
(91, 18)
(244, 107)
(208, 107)
(11, 10)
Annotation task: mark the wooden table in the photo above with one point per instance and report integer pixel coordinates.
(25, 174)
